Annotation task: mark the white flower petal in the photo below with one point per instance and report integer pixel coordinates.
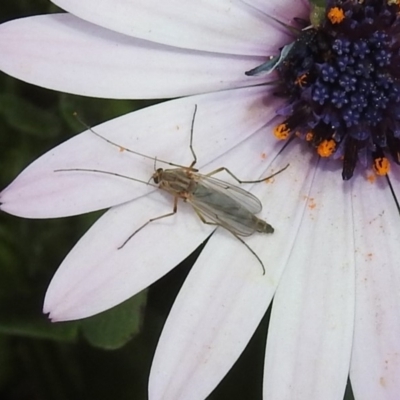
(225, 295)
(223, 26)
(64, 53)
(375, 366)
(77, 289)
(311, 327)
(96, 275)
(162, 131)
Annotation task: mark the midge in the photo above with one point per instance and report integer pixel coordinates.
(216, 202)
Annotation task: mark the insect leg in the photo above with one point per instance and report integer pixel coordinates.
(204, 221)
(151, 220)
(191, 139)
(240, 181)
(254, 253)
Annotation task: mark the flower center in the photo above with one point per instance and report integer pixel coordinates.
(342, 81)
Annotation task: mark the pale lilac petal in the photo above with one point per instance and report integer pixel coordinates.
(162, 131)
(225, 295)
(222, 26)
(282, 10)
(375, 366)
(96, 276)
(311, 328)
(64, 53)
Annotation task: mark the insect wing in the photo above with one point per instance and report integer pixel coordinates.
(245, 198)
(228, 206)
(273, 63)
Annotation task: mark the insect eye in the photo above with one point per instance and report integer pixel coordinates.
(157, 175)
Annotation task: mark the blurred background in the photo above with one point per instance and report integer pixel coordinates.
(104, 357)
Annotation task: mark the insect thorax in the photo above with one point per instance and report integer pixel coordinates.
(177, 181)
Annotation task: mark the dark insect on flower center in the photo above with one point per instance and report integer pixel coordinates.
(342, 81)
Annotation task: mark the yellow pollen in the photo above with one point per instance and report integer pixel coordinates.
(301, 80)
(381, 166)
(336, 15)
(282, 131)
(309, 136)
(326, 148)
(121, 149)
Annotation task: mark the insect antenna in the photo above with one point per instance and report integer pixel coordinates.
(290, 28)
(106, 173)
(124, 148)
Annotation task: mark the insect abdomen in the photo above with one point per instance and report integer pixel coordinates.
(262, 226)
(231, 214)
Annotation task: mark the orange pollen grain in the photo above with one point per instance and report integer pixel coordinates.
(381, 166)
(281, 132)
(371, 178)
(269, 180)
(301, 80)
(121, 149)
(309, 136)
(336, 15)
(326, 148)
